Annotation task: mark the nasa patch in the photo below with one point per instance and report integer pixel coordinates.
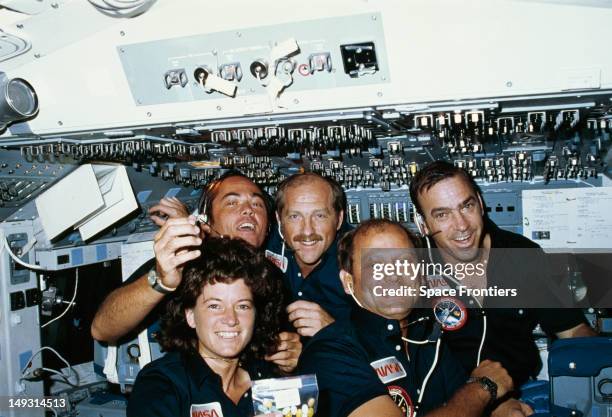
(278, 260)
(401, 399)
(388, 369)
(206, 410)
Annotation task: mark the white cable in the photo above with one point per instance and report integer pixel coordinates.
(351, 292)
(28, 246)
(284, 264)
(429, 373)
(65, 378)
(405, 339)
(29, 362)
(484, 333)
(416, 342)
(39, 351)
(6, 245)
(484, 317)
(420, 319)
(58, 373)
(76, 285)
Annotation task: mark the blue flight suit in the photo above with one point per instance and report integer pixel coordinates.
(366, 358)
(322, 285)
(183, 385)
(509, 338)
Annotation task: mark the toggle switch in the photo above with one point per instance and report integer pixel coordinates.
(259, 69)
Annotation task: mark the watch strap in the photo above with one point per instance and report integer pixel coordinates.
(487, 384)
(157, 285)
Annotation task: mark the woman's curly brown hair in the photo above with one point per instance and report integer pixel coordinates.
(224, 261)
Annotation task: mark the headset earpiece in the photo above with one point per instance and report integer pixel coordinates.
(420, 223)
(202, 216)
(351, 290)
(204, 201)
(280, 233)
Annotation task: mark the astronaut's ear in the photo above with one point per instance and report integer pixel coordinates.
(340, 220)
(347, 281)
(482, 211)
(189, 316)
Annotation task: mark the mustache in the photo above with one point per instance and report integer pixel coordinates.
(311, 237)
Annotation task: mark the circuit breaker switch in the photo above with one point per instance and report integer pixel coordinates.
(320, 62)
(175, 77)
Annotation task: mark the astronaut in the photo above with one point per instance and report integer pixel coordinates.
(452, 218)
(310, 211)
(231, 206)
(387, 361)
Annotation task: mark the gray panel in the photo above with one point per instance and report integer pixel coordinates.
(19, 339)
(504, 208)
(503, 201)
(145, 64)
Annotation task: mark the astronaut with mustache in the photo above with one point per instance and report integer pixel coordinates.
(310, 212)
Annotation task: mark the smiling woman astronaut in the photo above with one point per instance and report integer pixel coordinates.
(217, 330)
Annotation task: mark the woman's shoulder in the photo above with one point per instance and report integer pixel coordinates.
(160, 388)
(171, 364)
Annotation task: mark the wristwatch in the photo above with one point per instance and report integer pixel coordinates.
(156, 284)
(487, 384)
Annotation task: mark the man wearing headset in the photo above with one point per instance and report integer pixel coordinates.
(387, 362)
(310, 213)
(452, 217)
(233, 206)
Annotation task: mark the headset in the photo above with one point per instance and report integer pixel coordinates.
(202, 216)
(419, 221)
(349, 286)
(280, 233)
(205, 198)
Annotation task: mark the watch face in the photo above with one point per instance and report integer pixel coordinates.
(152, 278)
